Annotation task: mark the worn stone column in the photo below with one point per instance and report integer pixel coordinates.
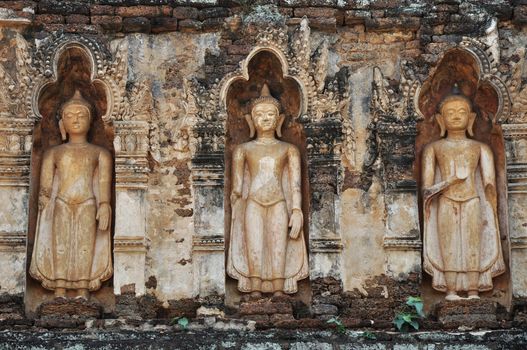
(208, 250)
(516, 147)
(131, 169)
(325, 244)
(402, 241)
(15, 150)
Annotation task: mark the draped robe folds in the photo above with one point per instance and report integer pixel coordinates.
(436, 262)
(69, 250)
(238, 260)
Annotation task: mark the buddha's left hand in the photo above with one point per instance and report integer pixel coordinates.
(103, 216)
(295, 222)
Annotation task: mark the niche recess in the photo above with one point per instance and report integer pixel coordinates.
(264, 67)
(73, 70)
(462, 67)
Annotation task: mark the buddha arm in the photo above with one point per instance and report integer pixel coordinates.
(488, 175)
(295, 177)
(238, 163)
(46, 178)
(428, 168)
(105, 177)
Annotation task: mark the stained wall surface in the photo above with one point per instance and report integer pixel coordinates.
(166, 68)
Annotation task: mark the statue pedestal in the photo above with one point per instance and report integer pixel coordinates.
(469, 313)
(267, 310)
(69, 308)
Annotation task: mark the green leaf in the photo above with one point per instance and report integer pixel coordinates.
(417, 303)
(407, 317)
(419, 309)
(182, 322)
(399, 322)
(415, 324)
(332, 320)
(413, 300)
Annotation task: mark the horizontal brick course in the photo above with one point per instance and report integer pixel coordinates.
(78, 19)
(138, 11)
(185, 13)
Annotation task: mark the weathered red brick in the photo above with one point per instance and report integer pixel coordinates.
(77, 19)
(51, 27)
(387, 4)
(64, 7)
(25, 14)
(102, 10)
(185, 13)
(388, 24)
(165, 10)
(520, 14)
(138, 11)
(213, 24)
(136, 24)
(286, 11)
(48, 19)
(265, 308)
(414, 44)
(326, 24)
(451, 8)
(190, 26)
(377, 13)
(80, 29)
(353, 17)
(239, 49)
(213, 12)
(17, 5)
(164, 24)
(314, 12)
(108, 23)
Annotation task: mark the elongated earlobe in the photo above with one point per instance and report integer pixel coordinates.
(471, 120)
(249, 120)
(441, 123)
(63, 133)
(281, 119)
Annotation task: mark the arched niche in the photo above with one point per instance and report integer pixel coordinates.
(463, 67)
(263, 66)
(73, 69)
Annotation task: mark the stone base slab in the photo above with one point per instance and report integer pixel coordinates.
(478, 313)
(140, 339)
(69, 308)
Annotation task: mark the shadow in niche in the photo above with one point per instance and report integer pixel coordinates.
(73, 73)
(264, 68)
(460, 67)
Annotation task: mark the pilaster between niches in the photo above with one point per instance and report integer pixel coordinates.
(325, 177)
(515, 135)
(131, 146)
(15, 152)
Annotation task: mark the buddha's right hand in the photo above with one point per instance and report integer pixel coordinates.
(234, 197)
(43, 201)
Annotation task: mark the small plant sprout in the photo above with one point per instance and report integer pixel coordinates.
(409, 315)
(181, 321)
(338, 324)
(369, 335)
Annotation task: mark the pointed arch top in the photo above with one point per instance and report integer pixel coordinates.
(105, 71)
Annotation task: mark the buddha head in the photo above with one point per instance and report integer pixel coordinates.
(75, 116)
(455, 114)
(265, 113)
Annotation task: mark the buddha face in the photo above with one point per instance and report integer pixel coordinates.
(76, 119)
(265, 116)
(456, 114)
